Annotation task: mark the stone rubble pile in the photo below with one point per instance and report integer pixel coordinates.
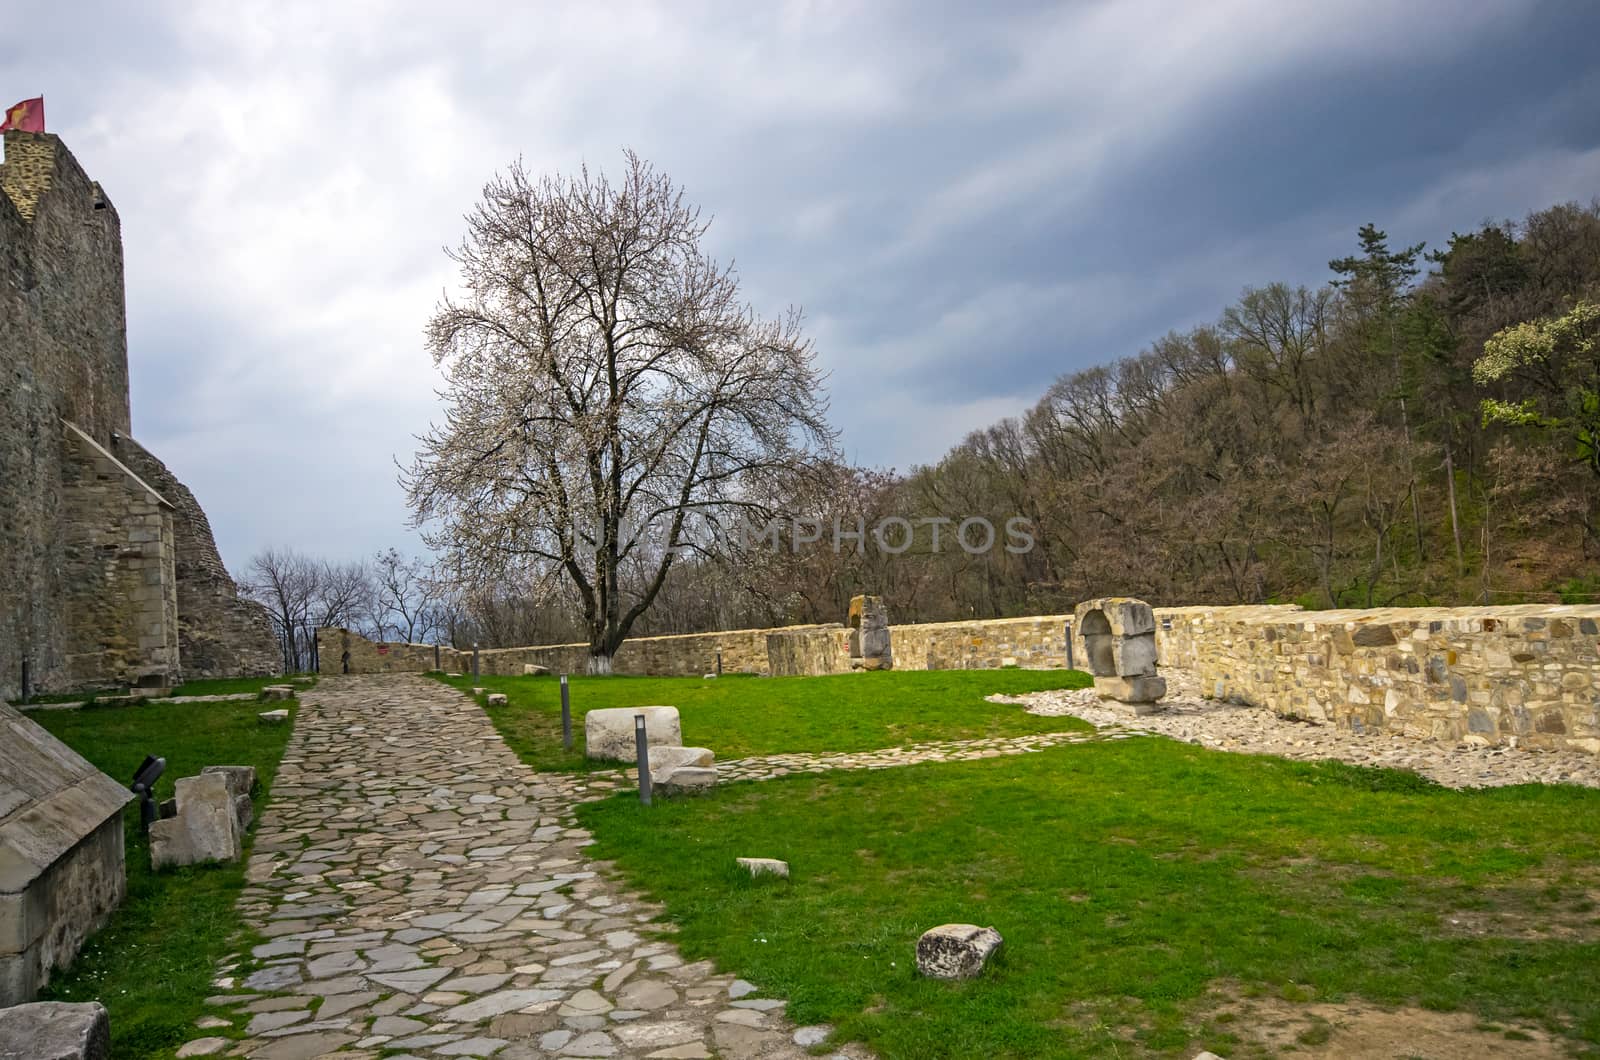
(207, 820)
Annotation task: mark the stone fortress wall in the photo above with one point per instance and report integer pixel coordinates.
(681, 655)
(1518, 675)
(108, 571)
(1525, 675)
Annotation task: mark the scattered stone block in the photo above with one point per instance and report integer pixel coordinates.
(277, 692)
(1140, 692)
(497, 699)
(664, 760)
(205, 829)
(478, 690)
(686, 780)
(535, 670)
(956, 951)
(203, 1047)
(765, 866)
(710, 677)
(241, 779)
(608, 733)
(55, 1030)
(273, 717)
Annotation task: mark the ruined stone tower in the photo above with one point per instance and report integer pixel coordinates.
(108, 572)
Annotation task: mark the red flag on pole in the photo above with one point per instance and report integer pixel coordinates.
(27, 116)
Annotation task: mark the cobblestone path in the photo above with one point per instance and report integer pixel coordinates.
(601, 783)
(425, 894)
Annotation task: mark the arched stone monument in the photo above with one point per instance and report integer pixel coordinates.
(1119, 647)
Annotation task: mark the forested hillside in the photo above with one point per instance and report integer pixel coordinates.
(1329, 446)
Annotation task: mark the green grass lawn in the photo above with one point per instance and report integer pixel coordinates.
(1128, 878)
(152, 965)
(738, 716)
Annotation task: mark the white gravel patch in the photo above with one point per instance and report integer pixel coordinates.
(1188, 716)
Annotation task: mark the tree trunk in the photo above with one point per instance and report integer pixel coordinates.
(1455, 524)
(599, 663)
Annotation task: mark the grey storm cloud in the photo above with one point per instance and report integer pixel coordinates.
(967, 200)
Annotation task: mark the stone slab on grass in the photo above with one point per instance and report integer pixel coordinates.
(664, 760)
(956, 951)
(686, 780)
(764, 866)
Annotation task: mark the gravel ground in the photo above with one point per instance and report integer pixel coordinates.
(1186, 715)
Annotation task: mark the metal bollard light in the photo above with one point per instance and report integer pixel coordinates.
(566, 715)
(719, 662)
(1070, 664)
(474, 660)
(641, 745)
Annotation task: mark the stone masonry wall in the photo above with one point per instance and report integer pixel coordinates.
(808, 652)
(1526, 675)
(220, 633)
(1037, 642)
(63, 355)
(64, 361)
(682, 655)
(373, 657)
(120, 605)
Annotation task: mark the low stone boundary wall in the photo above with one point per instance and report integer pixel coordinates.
(680, 655)
(1526, 675)
(341, 651)
(1037, 642)
(808, 652)
(1522, 675)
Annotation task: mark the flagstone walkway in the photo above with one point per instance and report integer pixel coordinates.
(424, 893)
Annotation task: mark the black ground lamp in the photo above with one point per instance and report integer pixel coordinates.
(144, 783)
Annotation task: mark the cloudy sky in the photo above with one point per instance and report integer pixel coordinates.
(967, 199)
